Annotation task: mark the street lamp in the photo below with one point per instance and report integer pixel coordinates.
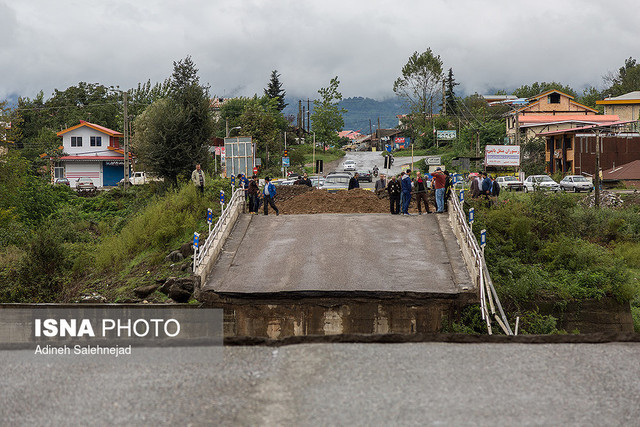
(232, 129)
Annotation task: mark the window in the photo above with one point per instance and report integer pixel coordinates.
(58, 172)
(76, 141)
(553, 98)
(96, 141)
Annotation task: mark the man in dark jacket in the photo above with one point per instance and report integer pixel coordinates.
(393, 188)
(495, 187)
(253, 195)
(420, 189)
(406, 192)
(353, 182)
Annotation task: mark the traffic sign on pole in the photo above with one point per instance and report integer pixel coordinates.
(471, 215)
(483, 238)
(462, 196)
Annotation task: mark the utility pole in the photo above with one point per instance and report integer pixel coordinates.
(126, 142)
(517, 128)
(596, 177)
(444, 99)
(378, 136)
(308, 115)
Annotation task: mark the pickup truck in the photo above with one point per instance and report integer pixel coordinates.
(140, 178)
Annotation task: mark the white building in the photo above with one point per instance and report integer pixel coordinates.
(92, 151)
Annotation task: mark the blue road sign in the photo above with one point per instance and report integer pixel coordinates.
(209, 216)
(462, 196)
(221, 196)
(233, 180)
(196, 240)
(471, 215)
(483, 238)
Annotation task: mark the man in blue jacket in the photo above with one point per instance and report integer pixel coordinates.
(269, 193)
(406, 192)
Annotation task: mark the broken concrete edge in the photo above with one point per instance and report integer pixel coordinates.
(595, 338)
(209, 297)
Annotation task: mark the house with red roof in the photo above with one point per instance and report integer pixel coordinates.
(551, 111)
(91, 150)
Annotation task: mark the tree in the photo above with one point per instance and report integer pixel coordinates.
(171, 135)
(450, 95)
(420, 81)
(533, 156)
(627, 80)
(274, 90)
(526, 91)
(589, 97)
(326, 119)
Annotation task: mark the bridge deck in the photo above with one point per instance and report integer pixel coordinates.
(340, 252)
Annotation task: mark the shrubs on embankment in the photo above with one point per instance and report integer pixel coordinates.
(76, 243)
(550, 247)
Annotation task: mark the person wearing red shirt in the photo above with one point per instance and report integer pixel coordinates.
(439, 181)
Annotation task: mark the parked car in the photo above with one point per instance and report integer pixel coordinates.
(576, 183)
(540, 182)
(510, 183)
(336, 182)
(349, 165)
(140, 178)
(317, 181)
(85, 184)
(63, 181)
(350, 173)
(365, 175)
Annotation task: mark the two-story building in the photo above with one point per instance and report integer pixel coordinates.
(92, 151)
(551, 111)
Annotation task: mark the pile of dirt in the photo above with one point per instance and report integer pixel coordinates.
(287, 192)
(351, 201)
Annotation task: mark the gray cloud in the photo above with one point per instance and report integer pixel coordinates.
(235, 44)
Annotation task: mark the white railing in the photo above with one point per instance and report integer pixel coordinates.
(474, 259)
(237, 199)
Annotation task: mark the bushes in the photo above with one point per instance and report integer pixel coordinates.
(166, 222)
(545, 246)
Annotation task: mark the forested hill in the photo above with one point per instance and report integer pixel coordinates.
(360, 110)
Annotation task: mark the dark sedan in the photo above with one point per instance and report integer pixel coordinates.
(365, 175)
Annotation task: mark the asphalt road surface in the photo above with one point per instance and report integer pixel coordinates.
(433, 384)
(340, 252)
(367, 159)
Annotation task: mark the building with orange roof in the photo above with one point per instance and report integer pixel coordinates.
(90, 150)
(550, 110)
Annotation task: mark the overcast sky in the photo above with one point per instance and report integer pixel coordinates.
(490, 44)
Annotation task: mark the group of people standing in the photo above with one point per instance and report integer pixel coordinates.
(484, 185)
(268, 194)
(402, 188)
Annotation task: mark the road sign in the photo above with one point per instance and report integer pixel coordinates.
(446, 134)
(433, 160)
(471, 215)
(209, 216)
(483, 238)
(221, 196)
(285, 161)
(196, 240)
(462, 196)
(255, 170)
(233, 180)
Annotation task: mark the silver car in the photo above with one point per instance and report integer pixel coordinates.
(336, 182)
(576, 183)
(540, 182)
(510, 183)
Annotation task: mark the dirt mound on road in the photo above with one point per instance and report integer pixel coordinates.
(320, 201)
(287, 192)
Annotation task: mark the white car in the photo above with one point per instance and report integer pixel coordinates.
(349, 165)
(576, 183)
(540, 182)
(509, 183)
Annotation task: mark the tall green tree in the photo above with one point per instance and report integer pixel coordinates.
(529, 91)
(327, 117)
(274, 90)
(626, 80)
(171, 135)
(420, 81)
(450, 94)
